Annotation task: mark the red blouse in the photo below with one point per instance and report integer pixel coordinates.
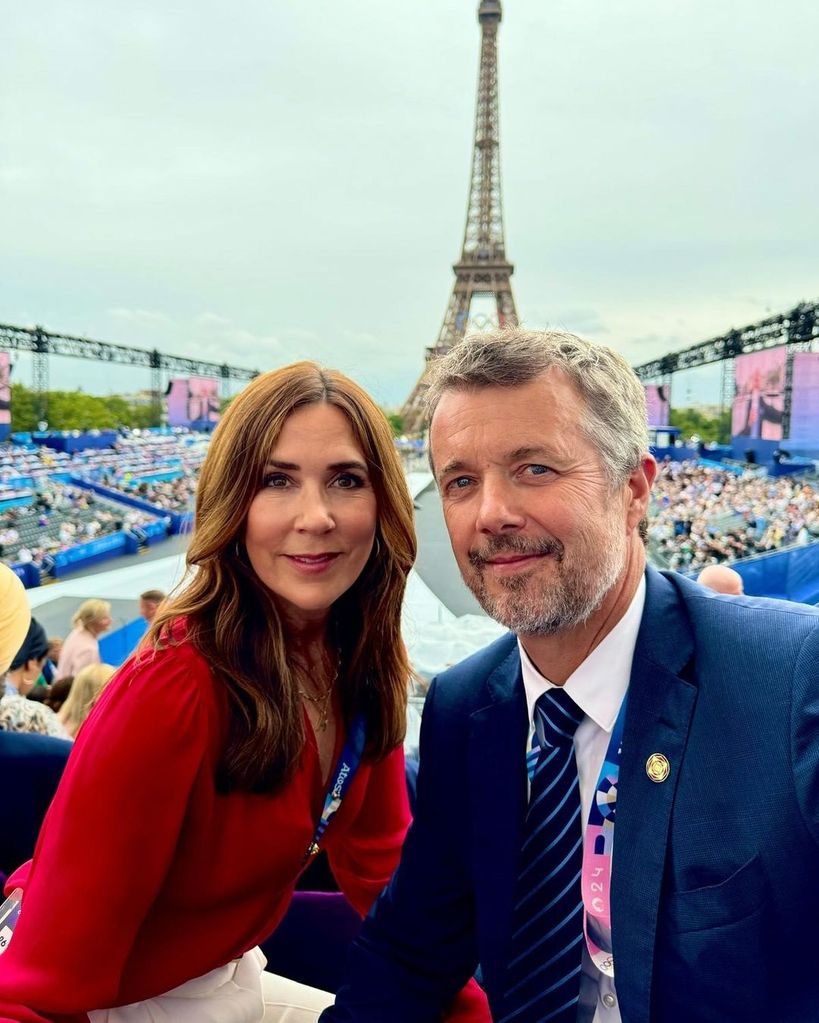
(145, 877)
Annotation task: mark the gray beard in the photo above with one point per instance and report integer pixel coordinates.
(529, 606)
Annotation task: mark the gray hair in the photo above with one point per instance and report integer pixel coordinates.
(614, 420)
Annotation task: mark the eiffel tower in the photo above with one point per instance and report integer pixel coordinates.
(483, 268)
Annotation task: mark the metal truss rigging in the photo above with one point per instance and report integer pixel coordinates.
(42, 344)
(800, 327)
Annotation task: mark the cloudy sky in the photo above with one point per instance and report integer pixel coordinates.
(262, 181)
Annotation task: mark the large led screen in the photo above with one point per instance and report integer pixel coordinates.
(193, 402)
(5, 389)
(805, 399)
(657, 405)
(760, 395)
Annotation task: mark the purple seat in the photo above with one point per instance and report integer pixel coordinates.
(310, 944)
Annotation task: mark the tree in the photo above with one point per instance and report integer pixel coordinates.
(74, 410)
(709, 429)
(396, 421)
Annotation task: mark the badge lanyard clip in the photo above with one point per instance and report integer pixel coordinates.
(341, 778)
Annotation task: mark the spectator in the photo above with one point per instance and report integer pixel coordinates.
(149, 601)
(55, 645)
(17, 714)
(721, 579)
(87, 686)
(59, 693)
(81, 647)
(14, 616)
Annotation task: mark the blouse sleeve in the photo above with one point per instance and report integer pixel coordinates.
(107, 841)
(371, 847)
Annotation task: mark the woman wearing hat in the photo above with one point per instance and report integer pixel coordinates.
(17, 714)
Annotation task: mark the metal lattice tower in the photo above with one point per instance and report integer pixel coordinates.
(483, 268)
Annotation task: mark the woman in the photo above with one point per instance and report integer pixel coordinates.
(85, 689)
(17, 713)
(191, 800)
(81, 646)
(15, 615)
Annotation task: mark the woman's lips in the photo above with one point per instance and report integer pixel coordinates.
(312, 564)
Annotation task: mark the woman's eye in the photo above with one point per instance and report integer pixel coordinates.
(349, 481)
(276, 480)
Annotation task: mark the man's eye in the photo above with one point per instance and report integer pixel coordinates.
(459, 483)
(537, 470)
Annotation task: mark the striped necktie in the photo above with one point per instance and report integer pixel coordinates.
(546, 946)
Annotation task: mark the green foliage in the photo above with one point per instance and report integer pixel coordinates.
(74, 410)
(396, 421)
(23, 410)
(708, 428)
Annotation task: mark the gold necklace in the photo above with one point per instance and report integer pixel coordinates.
(322, 701)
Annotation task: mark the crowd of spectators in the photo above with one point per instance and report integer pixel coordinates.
(130, 466)
(703, 515)
(58, 517)
(168, 495)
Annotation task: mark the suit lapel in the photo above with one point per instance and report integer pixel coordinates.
(497, 769)
(660, 706)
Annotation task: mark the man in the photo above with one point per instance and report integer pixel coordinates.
(705, 910)
(149, 601)
(721, 579)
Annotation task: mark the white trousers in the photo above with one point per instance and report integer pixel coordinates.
(240, 992)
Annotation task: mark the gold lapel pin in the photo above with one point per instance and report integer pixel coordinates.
(658, 768)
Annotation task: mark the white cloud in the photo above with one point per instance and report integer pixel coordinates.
(261, 183)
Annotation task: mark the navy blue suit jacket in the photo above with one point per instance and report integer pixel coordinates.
(715, 889)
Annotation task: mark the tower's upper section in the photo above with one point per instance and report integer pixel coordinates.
(483, 236)
(489, 9)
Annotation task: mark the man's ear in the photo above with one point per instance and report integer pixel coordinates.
(639, 487)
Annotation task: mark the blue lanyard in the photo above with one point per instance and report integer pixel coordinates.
(343, 774)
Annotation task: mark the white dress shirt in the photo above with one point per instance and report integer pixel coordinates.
(597, 686)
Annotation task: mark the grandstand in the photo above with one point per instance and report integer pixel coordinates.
(61, 511)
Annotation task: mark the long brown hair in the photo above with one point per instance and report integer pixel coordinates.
(231, 617)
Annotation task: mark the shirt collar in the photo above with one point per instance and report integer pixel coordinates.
(599, 683)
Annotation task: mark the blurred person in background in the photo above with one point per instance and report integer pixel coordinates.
(269, 694)
(18, 714)
(149, 601)
(55, 645)
(87, 686)
(721, 579)
(58, 692)
(81, 646)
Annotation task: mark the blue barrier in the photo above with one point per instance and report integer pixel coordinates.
(117, 645)
(790, 467)
(27, 573)
(86, 554)
(70, 443)
(15, 502)
(792, 574)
